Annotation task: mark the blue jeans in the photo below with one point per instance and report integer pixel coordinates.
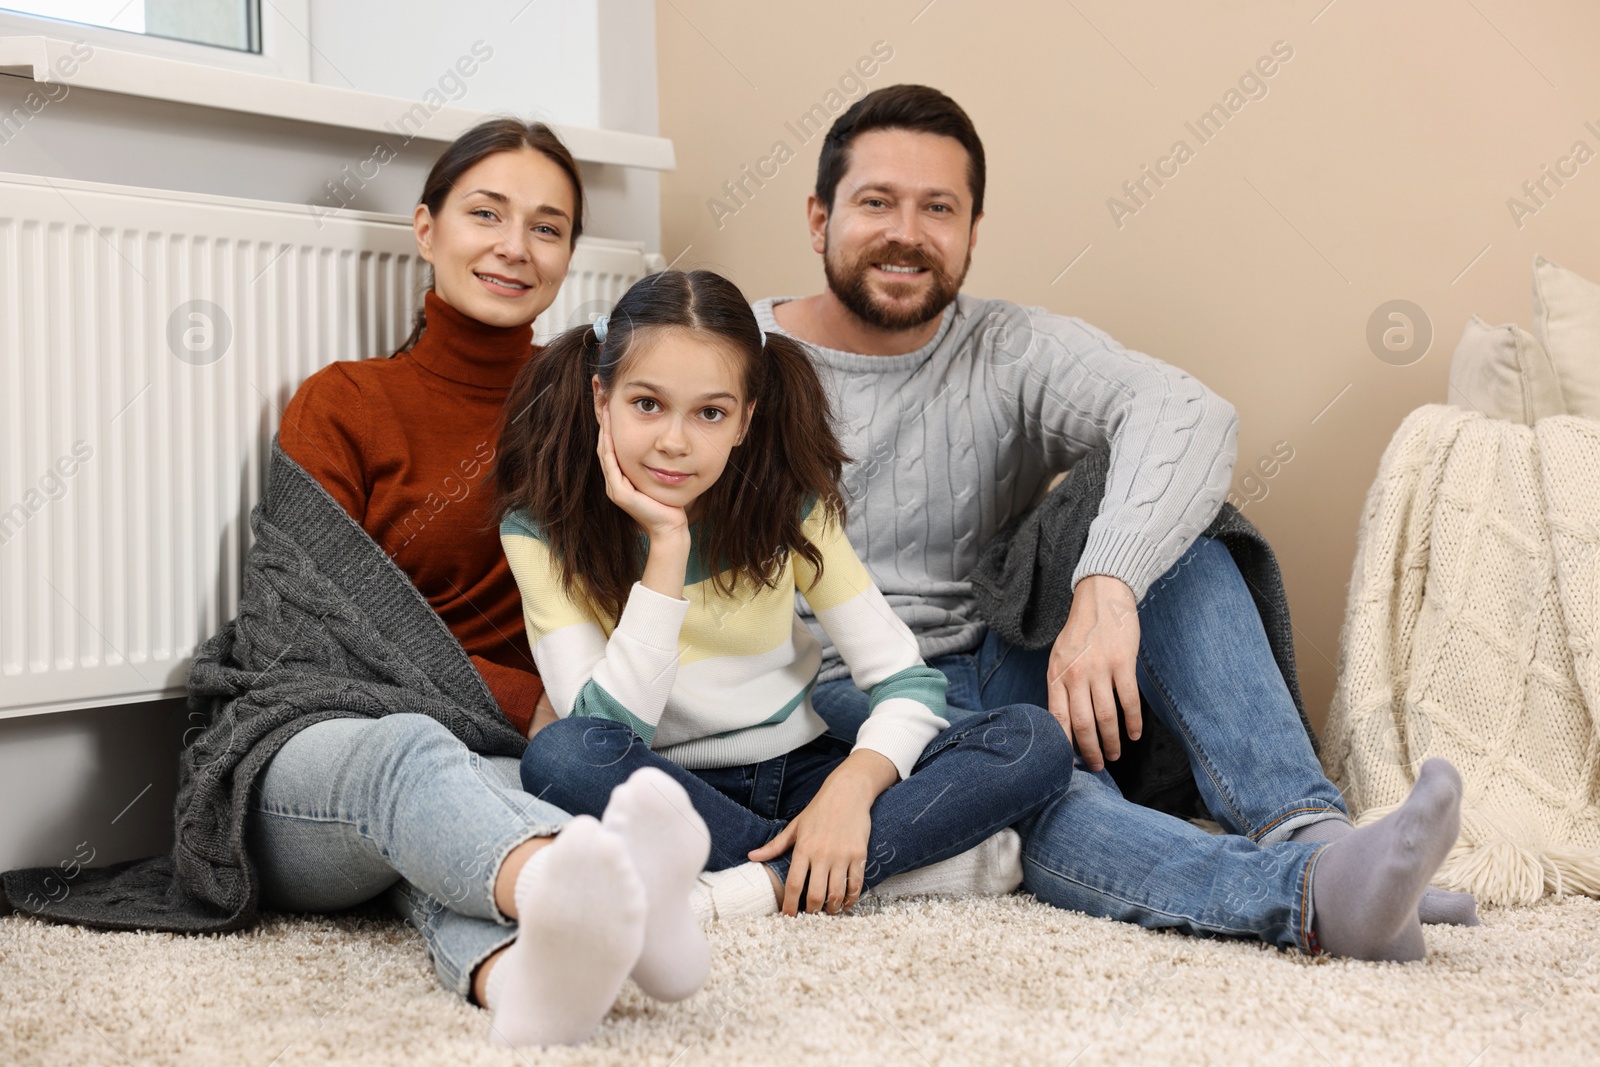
(973, 780)
(350, 809)
(1206, 670)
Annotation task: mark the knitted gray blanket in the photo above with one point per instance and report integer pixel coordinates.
(1023, 582)
(328, 627)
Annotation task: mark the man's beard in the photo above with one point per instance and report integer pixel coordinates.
(850, 282)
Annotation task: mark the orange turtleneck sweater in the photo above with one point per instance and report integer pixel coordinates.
(406, 444)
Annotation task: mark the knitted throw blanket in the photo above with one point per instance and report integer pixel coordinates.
(328, 627)
(1023, 583)
(1470, 633)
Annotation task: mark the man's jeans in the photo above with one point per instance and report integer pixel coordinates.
(353, 808)
(1206, 670)
(993, 769)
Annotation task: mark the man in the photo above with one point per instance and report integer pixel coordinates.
(958, 411)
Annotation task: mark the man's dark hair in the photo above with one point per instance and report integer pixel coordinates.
(900, 107)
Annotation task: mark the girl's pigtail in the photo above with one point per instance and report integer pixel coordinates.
(792, 451)
(546, 463)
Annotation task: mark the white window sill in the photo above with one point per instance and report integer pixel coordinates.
(46, 59)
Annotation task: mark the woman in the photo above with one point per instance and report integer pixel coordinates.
(406, 445)
(351, 749)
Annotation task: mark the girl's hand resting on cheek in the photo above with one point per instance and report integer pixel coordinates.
(657, 519)
(829, 838)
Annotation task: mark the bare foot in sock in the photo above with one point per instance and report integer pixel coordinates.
(669, 844)
(1437, 906)
(991, 868)
(581, 909)
(1442, 907)
(1365, 886)
(740, 892)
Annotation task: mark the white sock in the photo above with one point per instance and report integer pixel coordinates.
(581, 917)
(736, 893)
(669, 844)
(990, 868)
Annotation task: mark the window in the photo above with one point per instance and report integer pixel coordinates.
(269, 37)
(234, 24)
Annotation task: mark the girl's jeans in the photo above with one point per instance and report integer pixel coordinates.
(1206, 670)
(352, 808)
(995, 769)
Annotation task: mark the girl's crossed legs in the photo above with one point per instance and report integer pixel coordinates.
(994, 769)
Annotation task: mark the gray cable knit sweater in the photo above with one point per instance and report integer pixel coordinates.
(1023, 585)
(955, 439)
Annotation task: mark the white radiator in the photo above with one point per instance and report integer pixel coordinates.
(148, 343)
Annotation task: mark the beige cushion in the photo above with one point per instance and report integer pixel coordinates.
(1566, 320)
(1503, 372)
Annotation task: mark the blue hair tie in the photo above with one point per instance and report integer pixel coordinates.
(763, 336)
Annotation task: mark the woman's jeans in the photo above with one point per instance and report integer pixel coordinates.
(1206, 671)
(973, 780)
(352, 808)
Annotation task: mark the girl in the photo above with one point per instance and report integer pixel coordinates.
(671, 481)
(353, 808)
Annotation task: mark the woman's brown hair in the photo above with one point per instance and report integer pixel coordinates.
(546, 463)
(488, 138)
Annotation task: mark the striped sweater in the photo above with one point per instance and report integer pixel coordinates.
(718, 681)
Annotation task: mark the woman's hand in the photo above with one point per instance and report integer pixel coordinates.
(657, 519)
(544, 713)
(829, 838)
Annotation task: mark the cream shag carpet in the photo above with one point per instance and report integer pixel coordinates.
(916, 982)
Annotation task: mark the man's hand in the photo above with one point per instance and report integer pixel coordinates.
(1093, 658)
(544, 713)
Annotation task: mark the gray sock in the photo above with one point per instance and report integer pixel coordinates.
(1437, 906)
(1365, 886)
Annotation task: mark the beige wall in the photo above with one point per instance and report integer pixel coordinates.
(1376, 167)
